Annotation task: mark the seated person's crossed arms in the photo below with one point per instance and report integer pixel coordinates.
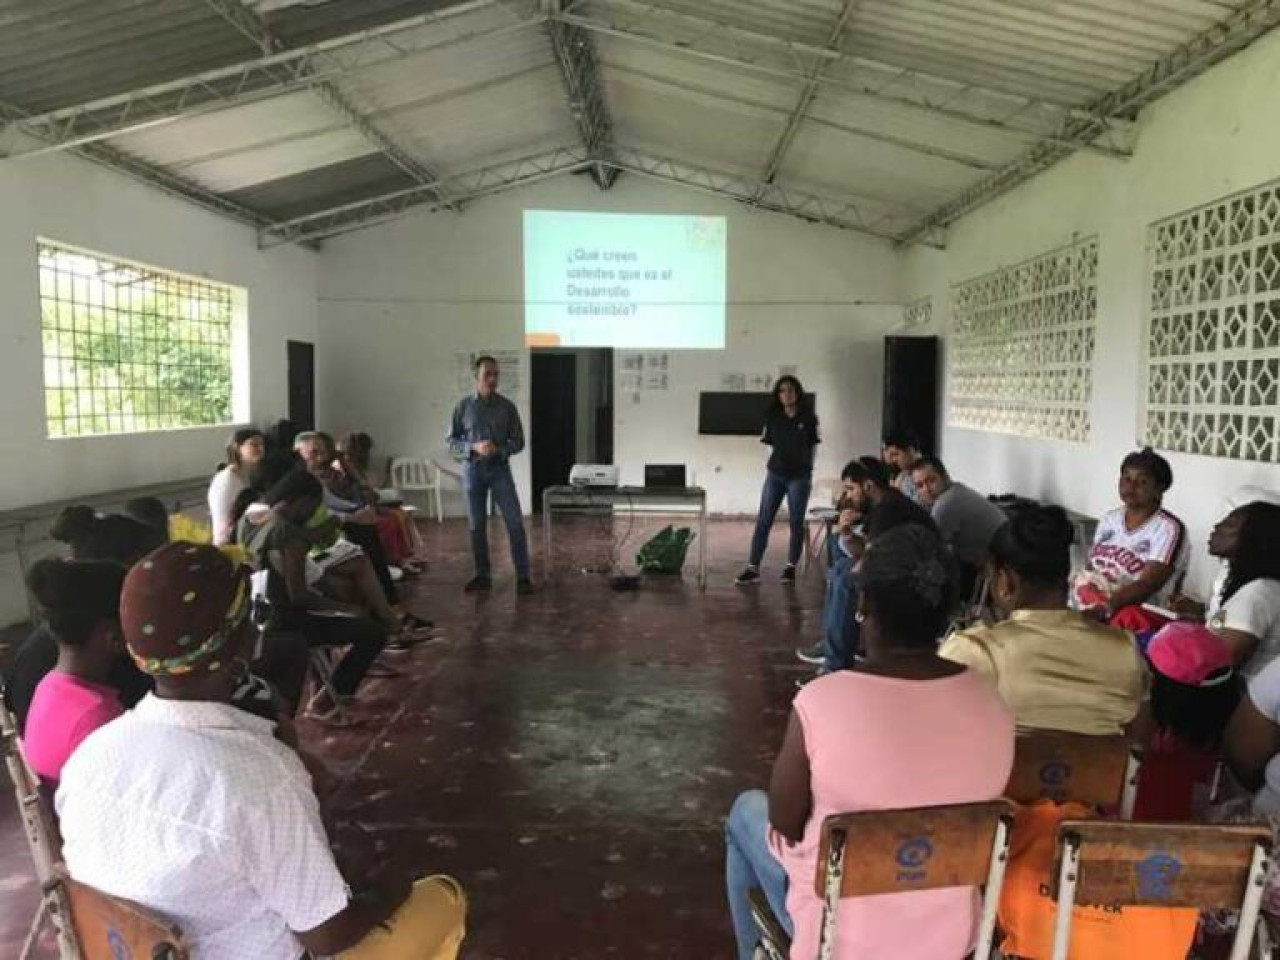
(193, 809)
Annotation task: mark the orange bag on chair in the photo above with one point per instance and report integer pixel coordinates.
(1027, 911)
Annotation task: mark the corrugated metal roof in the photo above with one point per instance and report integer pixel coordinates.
(469, 104)
(369, 176)
(916, 100)
(659, 115)
(58, 52)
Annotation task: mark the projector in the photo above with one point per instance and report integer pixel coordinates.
(593, 475)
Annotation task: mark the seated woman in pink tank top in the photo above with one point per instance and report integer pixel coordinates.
(904, 728)
(80, 603)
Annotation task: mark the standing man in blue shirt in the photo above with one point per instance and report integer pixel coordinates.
(486, 433)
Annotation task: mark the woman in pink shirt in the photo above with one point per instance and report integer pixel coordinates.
(80, 603)
(904, 728)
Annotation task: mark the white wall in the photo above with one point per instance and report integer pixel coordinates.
(75, 202)
(398, 301)
(1215, 136)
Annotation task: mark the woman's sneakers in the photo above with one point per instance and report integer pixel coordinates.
(750, 575)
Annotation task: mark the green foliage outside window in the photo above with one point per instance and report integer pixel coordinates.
(129, 348)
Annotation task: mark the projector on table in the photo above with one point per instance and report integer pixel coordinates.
(593, 475)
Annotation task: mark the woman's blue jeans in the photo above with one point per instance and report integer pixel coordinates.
(795, 490)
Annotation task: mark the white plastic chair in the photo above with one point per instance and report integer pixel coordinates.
(416, 475)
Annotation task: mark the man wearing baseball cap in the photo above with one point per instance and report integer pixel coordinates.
(190, 807)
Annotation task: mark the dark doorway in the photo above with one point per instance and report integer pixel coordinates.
(553, 399)
(571, 413)
(302, 384)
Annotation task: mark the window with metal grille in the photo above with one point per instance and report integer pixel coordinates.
(1213, 334)
(1021, 355)
(131, 348)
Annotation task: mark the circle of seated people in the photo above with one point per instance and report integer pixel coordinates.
(1081, 695)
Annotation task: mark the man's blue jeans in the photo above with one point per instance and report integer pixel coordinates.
(839, 616)
(796, 492)
(479, 479)
(750, 863)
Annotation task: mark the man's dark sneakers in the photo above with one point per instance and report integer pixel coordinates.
(789, 574)
(524, 586)
(477, 584)
(748, 575)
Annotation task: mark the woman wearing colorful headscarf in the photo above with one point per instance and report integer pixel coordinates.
(193, 809)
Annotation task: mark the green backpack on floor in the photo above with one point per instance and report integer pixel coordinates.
(666, 551)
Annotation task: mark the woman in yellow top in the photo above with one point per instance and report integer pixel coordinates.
(1056, 668)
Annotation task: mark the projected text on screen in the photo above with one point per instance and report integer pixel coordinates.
(632, 281)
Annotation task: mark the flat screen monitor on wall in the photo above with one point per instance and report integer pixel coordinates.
(733, 414)
(631, 281)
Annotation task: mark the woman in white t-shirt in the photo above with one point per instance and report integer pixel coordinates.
(1140, 550)
(243, 450)
(1244, 609)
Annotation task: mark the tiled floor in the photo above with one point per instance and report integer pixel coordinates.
(569, 756)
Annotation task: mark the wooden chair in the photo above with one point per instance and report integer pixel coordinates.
(1111, 862)
(1093, 770)
(904, 851)
(43, 841)
(109, 928)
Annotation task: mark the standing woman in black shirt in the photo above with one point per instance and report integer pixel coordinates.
(791, 429)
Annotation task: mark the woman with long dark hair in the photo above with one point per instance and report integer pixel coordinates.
(1244, 608)
(791, 429)
(245, 448)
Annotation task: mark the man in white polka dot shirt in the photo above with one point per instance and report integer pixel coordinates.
(192, 808)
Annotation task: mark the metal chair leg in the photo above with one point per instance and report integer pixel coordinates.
(1067, 878)
(1251, 908)
(37, 924)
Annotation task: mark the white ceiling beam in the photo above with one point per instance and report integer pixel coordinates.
(1239, 29)
(835, 42)
(871, 216)
(1013, 128)
(802, 52)
(255, 29)
(969, 160)
(298, 68)
(460, 187)
(579, 65)
(153, 176)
